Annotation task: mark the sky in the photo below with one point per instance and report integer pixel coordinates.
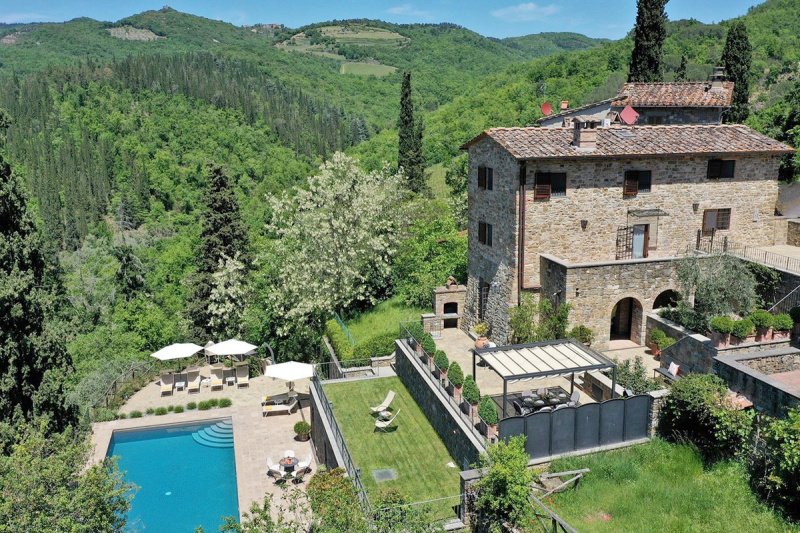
(498, 18)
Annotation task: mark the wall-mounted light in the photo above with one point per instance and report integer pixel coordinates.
(577, 292)
(695, 206)
(584, 223)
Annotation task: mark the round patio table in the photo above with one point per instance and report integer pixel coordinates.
(288, 463)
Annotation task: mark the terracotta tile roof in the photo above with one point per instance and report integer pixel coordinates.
(621, 141)
(674, 94)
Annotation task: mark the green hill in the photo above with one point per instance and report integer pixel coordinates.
(548, 43)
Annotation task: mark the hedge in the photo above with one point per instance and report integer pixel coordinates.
(376, 346)
(341, 344)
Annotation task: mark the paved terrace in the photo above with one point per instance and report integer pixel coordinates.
(255, 437)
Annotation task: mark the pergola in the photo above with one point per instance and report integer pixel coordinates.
(559, 358)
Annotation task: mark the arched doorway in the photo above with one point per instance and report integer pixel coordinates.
(668, 298)
(626, 320)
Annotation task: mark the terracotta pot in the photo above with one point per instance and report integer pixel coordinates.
(763, 334)
(721, 340)
(457, 394)
(481, 342)
(655, 350)
(491, 431)
(781, 335)
(473, 411)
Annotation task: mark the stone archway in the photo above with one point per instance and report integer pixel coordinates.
(627, 318)
(668, 298)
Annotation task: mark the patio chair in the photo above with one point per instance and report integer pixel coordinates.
(217, 378)
(272, 465)
(288, 453)
(297, 476)
(383, 425)
(167, 381)
(243, 375)
(522, 411)
(193, 380)
(542, 393)
(573, 400)
(285, 408)
(545, 410)
(385, 404)
(277, 476)
(305, 464)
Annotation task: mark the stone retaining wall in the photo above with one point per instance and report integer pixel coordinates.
(768, 395)
(775, 364)
(793, 233)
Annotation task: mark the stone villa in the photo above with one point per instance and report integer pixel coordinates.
(596, 213)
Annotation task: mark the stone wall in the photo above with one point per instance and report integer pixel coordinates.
(657, 400)
(793, 233)
(768, 395)
(775, 364)
(460, 442)
(594, 289)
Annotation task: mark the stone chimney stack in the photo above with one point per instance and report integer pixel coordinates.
(584, 133)
(717, 77)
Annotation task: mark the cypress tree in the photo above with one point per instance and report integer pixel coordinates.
(648, 41)
(736, 58)
(33, 357)
(680, 73)
(224, 235)
(409, 145)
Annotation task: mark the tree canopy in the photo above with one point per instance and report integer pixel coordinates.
(648, 41)
(737, 58)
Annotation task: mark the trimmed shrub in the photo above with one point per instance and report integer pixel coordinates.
(440, 360)
(487, 411)
(782, 322)
(334, 502)
(121, 416)
(471, 394)
(150, 411)
(191, 406)
(661, 339)
(171, 408)
(455, 374)
(428, 344)
(339, 341)
(178, 409)
(774, 466)
(697, 410)
(582, 334)
(204, 406)
(794, 312)
(761, 319)
(416, 330)
(213, 402)
(743, 328)
(302, 428)
(376, 346)
(481, 328)
(225, 402)
(135, 414)
(160, 411)
(722, 324)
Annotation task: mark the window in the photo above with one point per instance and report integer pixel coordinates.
(636, 181)
(716, 219)
(719, 168)
(655, 120)
(485, 233)
(549, 184)
(486, 178)
(483, 297)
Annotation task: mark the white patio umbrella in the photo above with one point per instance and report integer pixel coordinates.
(290, 371)
(179, 350)
(231, 347)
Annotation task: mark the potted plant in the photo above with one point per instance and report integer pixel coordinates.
(656, 339)
(429, 348)
(488, 413)
(582, 334)
(471, 395)
(781, 326)
(743, 331)
(762, 320)
(481, 329)
(303, 430)
(441, 363)
(721, 328)
(456, 377)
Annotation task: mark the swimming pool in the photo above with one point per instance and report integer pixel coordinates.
(186, 475)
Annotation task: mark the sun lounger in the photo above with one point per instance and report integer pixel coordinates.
(216, 378)
(243, 375)
(287, 408)
(167, 381)
(383, 425)
(193, 379)
(386, 403)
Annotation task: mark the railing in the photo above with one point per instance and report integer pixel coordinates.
(344, 327)
(349, 465)
(416, 344)
(710, 245)
(792, 299)
(544, 514)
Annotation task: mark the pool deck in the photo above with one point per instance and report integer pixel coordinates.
(255, 437)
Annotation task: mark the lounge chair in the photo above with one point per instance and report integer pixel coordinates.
(385, 404)
(383, 425)
(193, 380)
(243, 375)
(286, 408)
(217, 378)
(167, 381)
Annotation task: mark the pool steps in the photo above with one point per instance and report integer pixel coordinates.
(219, 435)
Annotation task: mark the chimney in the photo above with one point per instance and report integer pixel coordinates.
(717, 77)
(584, 133)
(564, 105)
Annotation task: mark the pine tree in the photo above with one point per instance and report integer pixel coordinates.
(648, 40)
(409, 145)
(736, 58)
(33, 356)
(680, 73)
(224, 235)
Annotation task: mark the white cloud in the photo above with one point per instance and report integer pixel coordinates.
(526, 12)
(15, 18)
(408, 10)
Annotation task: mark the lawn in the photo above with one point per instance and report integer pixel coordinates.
(384, 317)
(414, 449)
(660, 487)
(365, 69)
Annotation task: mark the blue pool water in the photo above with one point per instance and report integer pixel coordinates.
(186, 476)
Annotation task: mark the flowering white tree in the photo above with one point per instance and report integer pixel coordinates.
(337, 237)
(227, 300)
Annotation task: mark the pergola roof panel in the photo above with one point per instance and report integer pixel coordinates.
(550, 358)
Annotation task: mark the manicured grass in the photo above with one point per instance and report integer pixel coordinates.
(414, 449)
(363, 35)
(386, 316)
(365, 69)
(436, 182)
(660, 486)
